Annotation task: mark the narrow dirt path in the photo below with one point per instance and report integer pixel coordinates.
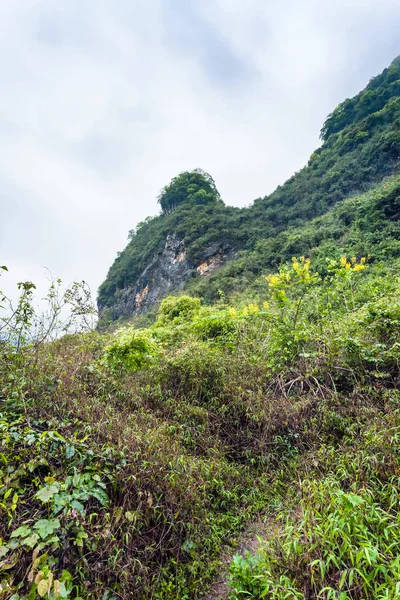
(250, 541)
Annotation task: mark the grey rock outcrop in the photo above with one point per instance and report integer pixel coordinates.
(166, 274)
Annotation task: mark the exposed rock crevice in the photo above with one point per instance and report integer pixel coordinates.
(166, 274)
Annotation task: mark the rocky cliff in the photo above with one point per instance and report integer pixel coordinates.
(189, 239)
(166, 273)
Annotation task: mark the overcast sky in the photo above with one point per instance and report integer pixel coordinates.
(103, 101)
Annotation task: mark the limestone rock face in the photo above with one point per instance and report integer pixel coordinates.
(165, 274)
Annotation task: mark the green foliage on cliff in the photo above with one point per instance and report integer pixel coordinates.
(361, 146)
(191, 187)
(380, 90)
(189, 221)
(367, 223)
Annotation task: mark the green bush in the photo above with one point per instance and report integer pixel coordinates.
(370, 336)
(177, 309)
(213, 324)
(196, 371)
(131, 350)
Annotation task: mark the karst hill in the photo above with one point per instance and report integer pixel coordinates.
(199, 243)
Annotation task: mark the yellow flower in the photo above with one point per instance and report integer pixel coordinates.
(348, 266)
(343, 261)
(266, 304)
(253, 308)
(359, 267)
(273, 280)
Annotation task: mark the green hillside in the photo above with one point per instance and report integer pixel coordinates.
(262, 400)
(360, 146)
(362, 224)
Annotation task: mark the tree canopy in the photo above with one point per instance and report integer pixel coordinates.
(379, 91)
(197, 187)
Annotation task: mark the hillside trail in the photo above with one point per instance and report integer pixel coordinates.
(250, 541)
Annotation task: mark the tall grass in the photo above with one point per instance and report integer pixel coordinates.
(130, 459)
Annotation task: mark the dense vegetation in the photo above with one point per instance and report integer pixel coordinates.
(380, 90)
(131, 461)
(367, 223)
(191, 187)
(361, 146)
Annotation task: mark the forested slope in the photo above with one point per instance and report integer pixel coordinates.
(360, 147)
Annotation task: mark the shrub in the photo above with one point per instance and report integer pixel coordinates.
(131, 350)
(175, 309)
(197, 371)
(212, 324)
(370, 335)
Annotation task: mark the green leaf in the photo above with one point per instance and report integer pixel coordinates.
(63, 592)
(46, 493)
(69, 451)
(100, 495)
(81, 535)
(31, 540)
(354, 499)
(22, 531)
(46, 527)
(53, 540)
(80, 509)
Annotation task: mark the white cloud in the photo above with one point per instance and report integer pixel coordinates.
(103, 102)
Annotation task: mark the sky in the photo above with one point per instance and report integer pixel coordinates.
(103, 101)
